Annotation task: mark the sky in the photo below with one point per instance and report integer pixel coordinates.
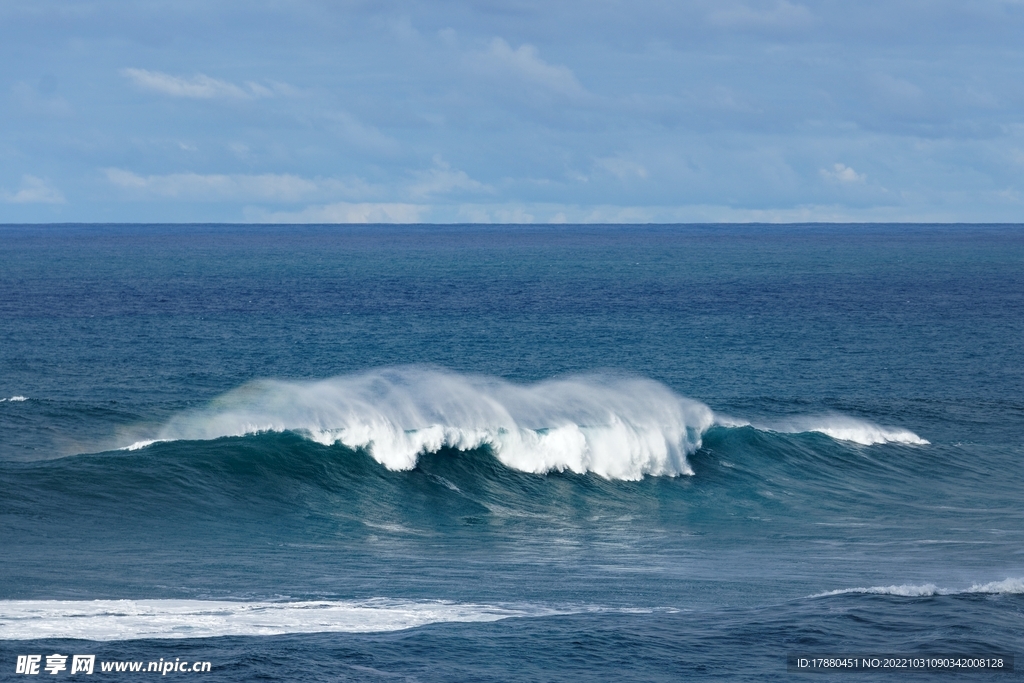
(514, 111)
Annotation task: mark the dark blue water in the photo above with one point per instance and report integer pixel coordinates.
(510, 453)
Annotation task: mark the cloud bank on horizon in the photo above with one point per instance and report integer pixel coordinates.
(511, 111)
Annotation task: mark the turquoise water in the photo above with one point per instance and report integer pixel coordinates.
(510, 453)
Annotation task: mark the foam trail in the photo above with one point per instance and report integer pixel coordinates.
(1014, 586)
(136, 619)
(1011, 586)
(904, 590)
(616, 427)
(839, 427)
(14, 399)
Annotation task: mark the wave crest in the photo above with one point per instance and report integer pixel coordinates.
(615, 427)
(839, 427)
(1012, 586)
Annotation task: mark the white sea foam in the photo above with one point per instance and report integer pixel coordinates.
(141, 444)
(1014, 586)
(905, 590)
(137, 619)
(839, 427)
(14, 399)
(1007, 586)
(616, 427)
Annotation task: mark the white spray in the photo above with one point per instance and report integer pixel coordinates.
(616, 427)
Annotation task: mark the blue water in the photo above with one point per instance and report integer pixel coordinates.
(329, 453)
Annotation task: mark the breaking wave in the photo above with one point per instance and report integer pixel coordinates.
(1006, 586)
(14, 399)
(613, 426)
(616, 427)
(136, 619)
(839, 427)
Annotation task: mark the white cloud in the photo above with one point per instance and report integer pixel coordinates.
(220, 187)
(806, 213)
(200, 86)
(482, 213)
(525, 64)
(350, 129)
(618, 214)
(448, 36)
(843, 174)
(896, 89)
(542, 212)
(724, 98)
(516, 213)
(781, 14)
(443, 179)
(34, 191)
(33, 102)
(403, 29)
(689, 213)
(622, 169)
(344, 212)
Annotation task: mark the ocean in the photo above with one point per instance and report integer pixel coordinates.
(511, 453)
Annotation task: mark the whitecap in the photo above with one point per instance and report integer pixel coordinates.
(107, 620)
(904, 590)
(141, 444)
(838, 427)
(616, 427)
(1012, 586)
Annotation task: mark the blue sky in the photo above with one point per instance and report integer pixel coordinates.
(517, 111)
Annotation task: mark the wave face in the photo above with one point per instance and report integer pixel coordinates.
(137, 619)
(615, 427)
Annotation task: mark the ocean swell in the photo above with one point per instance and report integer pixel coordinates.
(616, 427)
